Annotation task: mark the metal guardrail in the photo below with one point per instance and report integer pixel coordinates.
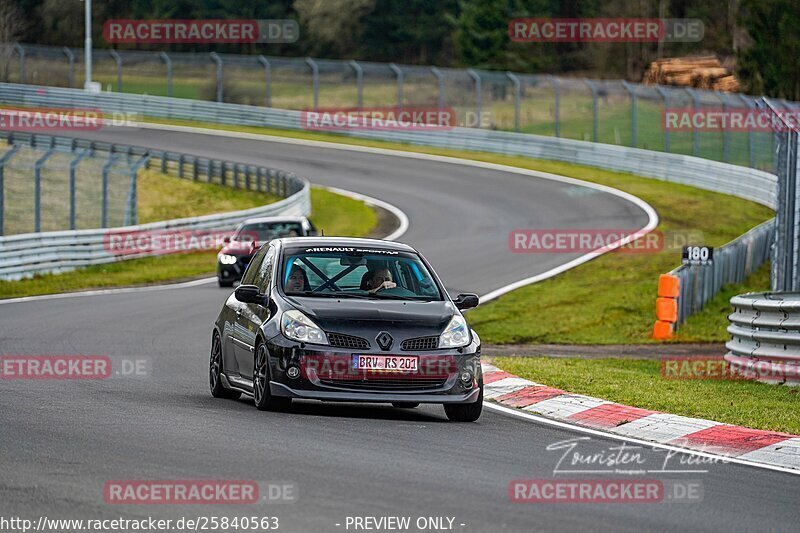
(732, 264)
(27, 254)
(765, 337)
(744, 182)
(608, 111)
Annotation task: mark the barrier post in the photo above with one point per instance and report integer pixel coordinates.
(666, 306)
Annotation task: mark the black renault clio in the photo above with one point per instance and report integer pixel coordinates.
(342, 319)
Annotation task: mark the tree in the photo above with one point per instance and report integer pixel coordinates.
(333, 24)
(770, 65)
(12, 26)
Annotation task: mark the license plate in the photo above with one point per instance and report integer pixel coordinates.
(389, 363)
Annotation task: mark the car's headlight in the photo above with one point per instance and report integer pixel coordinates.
(298, 327)
(456, 334)
(226, 259)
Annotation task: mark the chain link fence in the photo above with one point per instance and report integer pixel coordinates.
(606, 111)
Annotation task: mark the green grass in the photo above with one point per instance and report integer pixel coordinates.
(615, 293)
(337, 214)
(639, 383)
(164, 197)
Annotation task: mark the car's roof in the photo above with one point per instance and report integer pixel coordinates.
(261, 220)
(305, 242)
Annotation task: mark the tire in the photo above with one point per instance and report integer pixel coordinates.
(224, 283)
(262, 398)
(465, 412)
(405, 405)
(218, 390)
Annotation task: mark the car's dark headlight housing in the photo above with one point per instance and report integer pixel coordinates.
(456, 334)
(298, 327)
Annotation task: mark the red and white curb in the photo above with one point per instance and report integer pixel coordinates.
(751, 445)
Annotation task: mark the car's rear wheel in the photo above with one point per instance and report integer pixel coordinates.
(215, 372)
(264, 400)
(465, 412)
(405, 405)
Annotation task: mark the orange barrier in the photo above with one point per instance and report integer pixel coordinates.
(669, 288)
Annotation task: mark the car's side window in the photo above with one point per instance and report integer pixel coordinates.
(254, 267)
(264, 276)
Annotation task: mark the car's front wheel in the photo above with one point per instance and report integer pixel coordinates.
(465, 412)
(215, 372)
(264, 400)
(222, 283)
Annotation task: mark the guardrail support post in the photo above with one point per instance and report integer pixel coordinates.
(398, 72)
(37, 194)
(440, 82)
(131, 210)
(104, 208)
(634, 119)
(359, 82)
(751, 136)
(71, 60)
(168, 63)
(314, 80)
(219, 75)
(593, 87)
(695, 133)
(3, 160)
(21, 51)
(73, 166)
(478, 94)
(118, 61)
(267, 80)
(665, 97)
(517, 97)
(557, 100)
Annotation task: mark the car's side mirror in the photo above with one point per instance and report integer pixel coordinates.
(226, 239)
(466, 301)
(249, 294)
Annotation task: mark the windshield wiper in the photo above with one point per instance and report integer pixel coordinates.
(398, 297)
(338, 294)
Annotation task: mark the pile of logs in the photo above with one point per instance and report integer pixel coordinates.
(704, 72)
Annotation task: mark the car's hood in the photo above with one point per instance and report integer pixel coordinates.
(363, 317)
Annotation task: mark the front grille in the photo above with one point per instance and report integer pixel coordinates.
(385, 384)
(420, 343)
(341, 340)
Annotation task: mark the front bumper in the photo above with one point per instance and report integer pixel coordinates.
(326, 374)
(235, 271)
(279, 389)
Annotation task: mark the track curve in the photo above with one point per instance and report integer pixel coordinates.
(61, 441)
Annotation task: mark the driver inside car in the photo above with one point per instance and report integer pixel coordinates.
(379, 280)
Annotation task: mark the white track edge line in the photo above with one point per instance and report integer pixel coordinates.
(599, 433)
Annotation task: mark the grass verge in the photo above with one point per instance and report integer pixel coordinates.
(639, 383)
(337, 214)
(616, 292)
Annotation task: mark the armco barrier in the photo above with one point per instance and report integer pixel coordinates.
(32, 253)
(747, 183)
(765, 337)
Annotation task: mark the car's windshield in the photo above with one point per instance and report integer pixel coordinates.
(358, 273)
(266, 231)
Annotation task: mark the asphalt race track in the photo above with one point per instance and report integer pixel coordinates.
(60, 441)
